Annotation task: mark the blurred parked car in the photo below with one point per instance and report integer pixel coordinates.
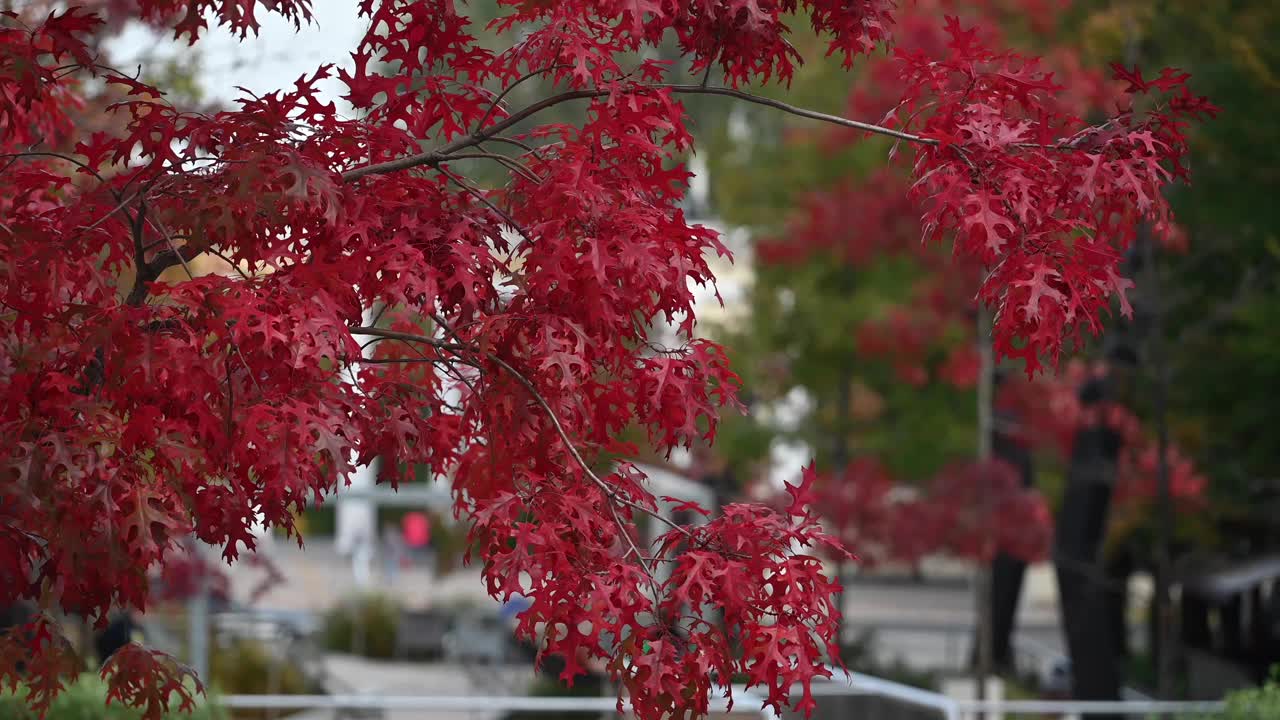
(480, 638)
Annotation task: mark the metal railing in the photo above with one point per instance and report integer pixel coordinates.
(745, 702)
(1132, 708)
(842, 683)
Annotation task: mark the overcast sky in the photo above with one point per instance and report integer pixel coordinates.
(271, 61)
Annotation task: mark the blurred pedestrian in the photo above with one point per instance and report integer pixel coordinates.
(393, 553)
(416, 531)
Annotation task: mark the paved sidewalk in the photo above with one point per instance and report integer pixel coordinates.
(926, 625)
(405, 678)
(930, 625)
(361, 676)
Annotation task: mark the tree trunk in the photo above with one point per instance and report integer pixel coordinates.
(1081, 582)
(1007, 571)
(984, 580)
(840, 460)
(1118, 570)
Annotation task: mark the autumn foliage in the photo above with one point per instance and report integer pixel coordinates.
(974, 509)
(384, 306)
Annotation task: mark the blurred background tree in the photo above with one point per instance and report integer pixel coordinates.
(1222, 296)
(806, 348)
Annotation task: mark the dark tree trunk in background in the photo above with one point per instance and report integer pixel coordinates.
(1082, 586)
(1118, 570)
(1007, 571)
(1232, 619)
(724, 485)
(840, 459)
(1196, 633)
(1089, 601)
(1006, 590)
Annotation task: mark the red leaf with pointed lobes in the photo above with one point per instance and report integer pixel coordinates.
(151, 681)
(51, 661)
(679, 506)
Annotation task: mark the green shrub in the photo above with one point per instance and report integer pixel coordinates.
(247, 667)
(365, 625)
(1260, 703)
(86, 699)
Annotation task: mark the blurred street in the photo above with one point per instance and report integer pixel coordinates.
(923, 625)
(317, 577)
(374, 677)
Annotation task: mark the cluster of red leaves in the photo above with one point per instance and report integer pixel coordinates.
(150, 681)
(383, 310)
(145, 679)
(185, 574)
(1046, 201)
(746, 39)
(143, 412)
(913, 335)
(861, 221)
(182, 575)
(50, 660)
(877, 88)
(980, 509)
(970, 510)
(1052, 412)
(751, 567)
(834, 221)
(858, 505)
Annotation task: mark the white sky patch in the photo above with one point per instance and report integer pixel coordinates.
(273, 60)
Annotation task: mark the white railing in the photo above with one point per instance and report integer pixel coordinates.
(745, 702)
(1132, 708)
(847, 683)
(842, 683)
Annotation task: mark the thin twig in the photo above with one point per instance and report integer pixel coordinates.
(218, 254)
(573, 449)
(474, 192)
(644, 565)
(402, 361)
(518, 143)
(555, 421)
(44, 153)
(510, 163)
(498, 100)
(181, 257)
(16, 157)
(378, 315)
(407, 337)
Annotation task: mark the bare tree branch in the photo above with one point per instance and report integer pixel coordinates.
(442, 153)
(498, 100)
(510, 163)
(407, 337)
